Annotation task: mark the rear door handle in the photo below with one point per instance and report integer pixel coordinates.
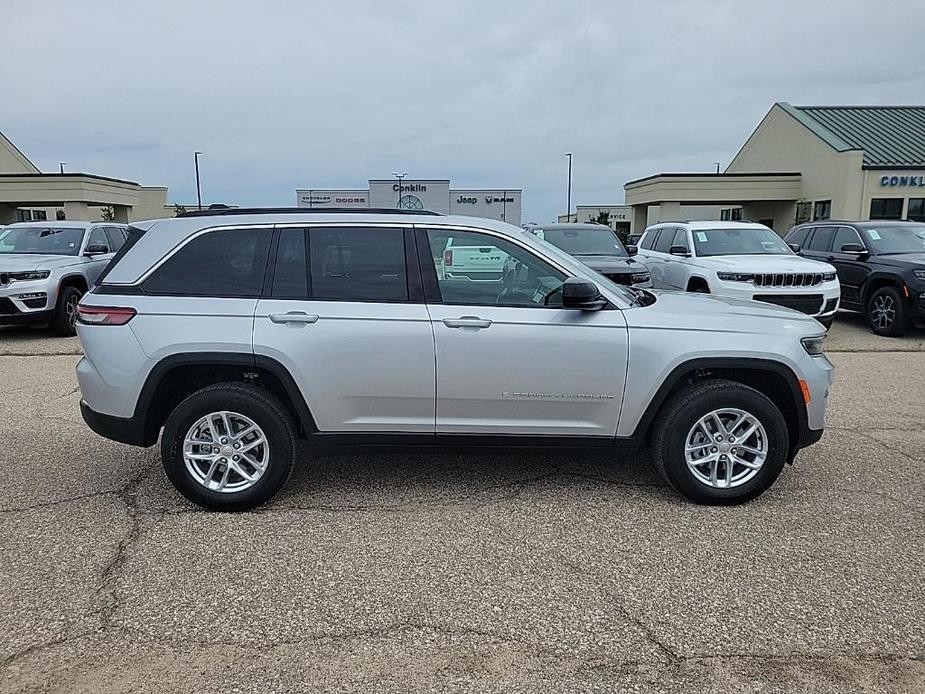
(467, 322)
(294, 317)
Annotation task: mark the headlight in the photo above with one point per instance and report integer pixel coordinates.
(919, 274)
(736, 276)
(639, 277)
(33, 275)
(828, 276)
(814, 346)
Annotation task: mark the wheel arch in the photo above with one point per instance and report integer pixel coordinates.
(74, 280)
(772, 378)
(878, 281)
(697, 281)
(179, 375)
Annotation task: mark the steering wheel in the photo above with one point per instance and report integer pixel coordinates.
(557, 290)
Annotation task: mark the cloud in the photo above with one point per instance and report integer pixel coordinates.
(280, 95)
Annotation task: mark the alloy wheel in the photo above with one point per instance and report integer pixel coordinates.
(726, 448)
(226, 452)
(70, 309)
(883, 312)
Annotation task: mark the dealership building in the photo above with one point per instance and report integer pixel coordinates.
(432, 194)
(804, 163)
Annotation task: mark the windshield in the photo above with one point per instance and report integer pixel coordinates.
(584, 241)
(41, 241)
(744, 241)
(908, 238)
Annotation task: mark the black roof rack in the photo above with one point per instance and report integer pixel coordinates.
(303, 210)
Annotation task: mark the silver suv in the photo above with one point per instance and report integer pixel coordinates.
(232, 335)
(46, 267)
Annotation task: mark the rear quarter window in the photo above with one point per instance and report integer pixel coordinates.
(132, 235)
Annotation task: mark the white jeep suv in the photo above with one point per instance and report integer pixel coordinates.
(229, 335)
(739, 259)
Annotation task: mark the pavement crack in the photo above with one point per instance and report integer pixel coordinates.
(59, 502)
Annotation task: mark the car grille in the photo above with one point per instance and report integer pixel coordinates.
(804, 303)
(788, 279)
(619, 277)
(830, 305)
(7, 307)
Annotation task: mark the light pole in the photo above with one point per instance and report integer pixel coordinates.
(196, 156)
(399, 176)
(568, 204)
(61, 166)
(717, 166)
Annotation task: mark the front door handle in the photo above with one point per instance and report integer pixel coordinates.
(466, 322)
(294, 317)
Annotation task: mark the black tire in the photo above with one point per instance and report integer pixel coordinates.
(64, 322)
(698, 287)
(886, 313)
(680, 414)
(263, 409)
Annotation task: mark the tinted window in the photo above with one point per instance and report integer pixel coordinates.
(218, 263)
(680, 239)
(843, 236)
(886, 208)
(98, 238)
(665, 238)
(799, 235)
(355, 264)
(916, 210)
(483, 270)
(822, 239)
(822, 210)
(590, 240)
(649, 239)
(290, 279)
(116, 238)
(739, 241)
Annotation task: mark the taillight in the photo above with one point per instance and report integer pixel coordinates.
(447, 257)
(104, 315)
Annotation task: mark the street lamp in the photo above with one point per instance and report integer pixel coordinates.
(717, 166)
(61, 166)
(568, 204)
(196, 156)
(399, 176)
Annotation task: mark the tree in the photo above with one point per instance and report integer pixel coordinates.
(603, 217)
(108, 214)
(178, 209)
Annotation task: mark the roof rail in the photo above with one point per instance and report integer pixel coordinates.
(303, 210)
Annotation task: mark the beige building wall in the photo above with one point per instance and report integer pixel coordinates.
(780, 143)
(12, 160)
(872, 188)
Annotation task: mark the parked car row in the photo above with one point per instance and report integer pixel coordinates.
(876, 267)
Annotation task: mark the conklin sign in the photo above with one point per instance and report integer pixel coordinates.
(902, 181)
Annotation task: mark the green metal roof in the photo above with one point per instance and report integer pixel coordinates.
(888, 135)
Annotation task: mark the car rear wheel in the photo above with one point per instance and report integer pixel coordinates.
(720, 442)
(64, 322)
(887, 313)
(229, 447)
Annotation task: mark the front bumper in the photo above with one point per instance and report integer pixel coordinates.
(819, 301)
(27, 302)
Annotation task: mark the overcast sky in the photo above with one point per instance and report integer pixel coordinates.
(282, 94)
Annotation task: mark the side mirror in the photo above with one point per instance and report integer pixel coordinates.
(582, 294)
(853, 249)
(632, 250)
(97, 249)
(680, 251)
(795, 247)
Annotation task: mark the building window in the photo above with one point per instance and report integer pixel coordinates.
(731, 214)
(916, 209)
(822, 209)
(886, 208)
(802, 213)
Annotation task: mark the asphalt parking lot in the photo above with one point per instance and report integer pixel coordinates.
(516, 572)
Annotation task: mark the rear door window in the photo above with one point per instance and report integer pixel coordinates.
(665, 239)
(290, 278)
(822, 239)
(226, 262)
(358, 264)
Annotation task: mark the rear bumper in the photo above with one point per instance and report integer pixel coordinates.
(132, 430)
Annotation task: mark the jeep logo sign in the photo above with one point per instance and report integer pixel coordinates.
(464, 200)
(894, 181)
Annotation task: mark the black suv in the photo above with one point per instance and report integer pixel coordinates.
(880, 264)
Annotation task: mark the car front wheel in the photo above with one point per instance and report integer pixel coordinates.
(720, 442)
(887, 313)
(229, 447)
